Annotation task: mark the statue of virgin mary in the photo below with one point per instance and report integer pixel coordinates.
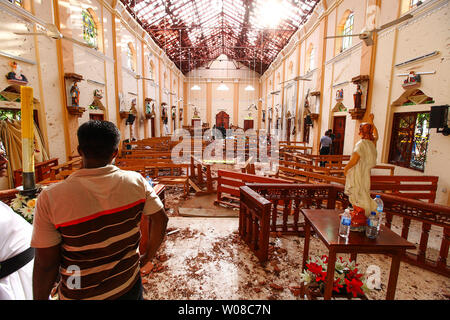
(358, 170)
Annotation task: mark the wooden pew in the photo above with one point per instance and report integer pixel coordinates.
(302, 176)
(196, 175)
(62, 171)
(41, 171)
(413, 187)
(228, 184)
(164, 173)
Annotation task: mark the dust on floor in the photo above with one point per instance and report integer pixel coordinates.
(204, 259)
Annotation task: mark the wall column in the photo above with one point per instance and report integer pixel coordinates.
(65, 63)
(236, 103)
(209, 102)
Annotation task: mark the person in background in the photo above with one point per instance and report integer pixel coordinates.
(16, 256)
(325, 146)
(332, 136)
(87, 227)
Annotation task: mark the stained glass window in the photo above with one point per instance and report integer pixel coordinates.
(348, 30)
(409, 143)
(90, 33)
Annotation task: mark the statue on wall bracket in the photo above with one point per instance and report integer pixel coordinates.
(15, 76)
(357, 97)
(75, 94)
(97, 104)
(150, 108)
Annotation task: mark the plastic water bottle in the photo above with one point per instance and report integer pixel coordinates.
(373, 225)
(380, 208)
(150, 181)
(380, 204)
(346, 221)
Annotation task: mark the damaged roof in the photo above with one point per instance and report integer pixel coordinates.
(195, 32)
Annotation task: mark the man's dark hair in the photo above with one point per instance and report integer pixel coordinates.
(98, 139)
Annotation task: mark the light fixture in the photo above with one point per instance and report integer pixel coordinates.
(195, 88)
(249, 88)
(222, 87)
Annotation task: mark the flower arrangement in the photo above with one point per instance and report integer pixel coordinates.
(24, 206)
(346, 276)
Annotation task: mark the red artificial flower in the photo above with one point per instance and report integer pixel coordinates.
(321, 276)
(353, 274)
(314, 268)
(325, 258)
(337, 285)
(354, 287)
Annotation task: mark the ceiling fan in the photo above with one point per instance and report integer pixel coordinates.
(367, 35)
(296, 79)
(139, 77)
(51, 31)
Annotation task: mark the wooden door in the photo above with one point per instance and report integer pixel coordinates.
(94, 116)
(152, 125)
(222, 120)
(339, 133)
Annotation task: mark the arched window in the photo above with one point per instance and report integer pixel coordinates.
(151, 70)
(291, 68)
(90, 32)
(310, 58)
(348, 30)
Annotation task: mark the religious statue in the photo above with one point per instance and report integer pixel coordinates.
(16, 74)
(357, 175)
(133, 109)
(75, 94)
(264, 116)
(164, 113)
(196, 113)
(97, 104)
(148, 108)
(174, 112)
(340, 95)
(307, 105)
(357, 97)
(180, 113)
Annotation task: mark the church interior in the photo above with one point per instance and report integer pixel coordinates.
(226, 107)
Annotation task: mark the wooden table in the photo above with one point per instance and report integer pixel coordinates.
(326, 225)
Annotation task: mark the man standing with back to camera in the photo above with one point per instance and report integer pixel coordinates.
(88, 225)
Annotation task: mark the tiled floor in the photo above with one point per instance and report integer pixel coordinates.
(207, 260)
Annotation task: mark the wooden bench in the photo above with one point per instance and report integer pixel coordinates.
(141, 154)
(228, 184)
(42, 171)
(302, 176)
(62, 171)
(141, 162)
(413, 187)
(164, 173)
(201, 175)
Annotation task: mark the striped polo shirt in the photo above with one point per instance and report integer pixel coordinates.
(94, 215)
